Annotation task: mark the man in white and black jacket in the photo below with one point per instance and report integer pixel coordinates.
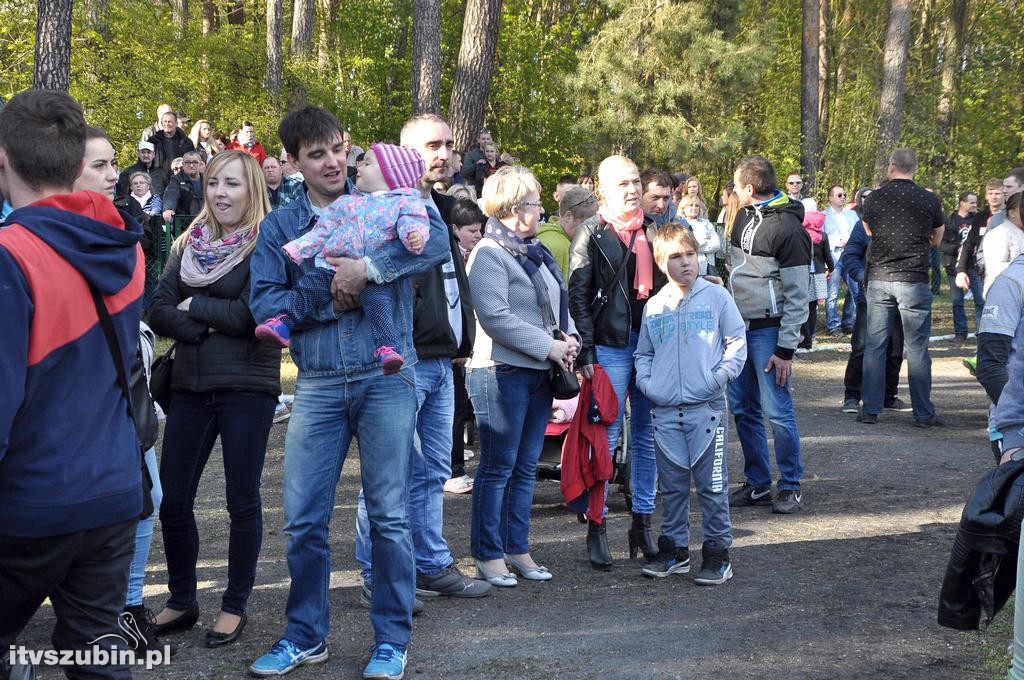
(769, 272)
(443, 328)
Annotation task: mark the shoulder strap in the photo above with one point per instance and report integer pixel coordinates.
(602, 297)
(115, 347)
(625, 258)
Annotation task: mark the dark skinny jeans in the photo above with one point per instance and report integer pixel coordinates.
(194, 420)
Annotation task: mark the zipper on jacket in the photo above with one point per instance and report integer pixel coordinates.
(771, 295)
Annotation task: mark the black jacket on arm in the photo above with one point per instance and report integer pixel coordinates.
(594, 255)
(982, 568)
(217, 347)
(432, 333)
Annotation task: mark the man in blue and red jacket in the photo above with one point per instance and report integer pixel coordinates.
(70, 482)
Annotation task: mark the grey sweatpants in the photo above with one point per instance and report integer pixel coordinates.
(690, 443)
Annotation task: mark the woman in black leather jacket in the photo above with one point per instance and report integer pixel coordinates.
(611, 276)
(224, 382)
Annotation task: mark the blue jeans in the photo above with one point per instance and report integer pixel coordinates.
(835, 281)
(957, 296)
(144, 537)
(753, 394)
(512, 407)
(643, 470)
(194, 421)
(431, 468)
(327, 412)
(913, 302)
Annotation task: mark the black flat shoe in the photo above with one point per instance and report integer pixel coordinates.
(215, 639)
(184, 622)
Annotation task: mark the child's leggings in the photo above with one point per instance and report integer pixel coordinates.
(313, 291)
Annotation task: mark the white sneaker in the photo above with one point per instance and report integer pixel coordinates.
(281, 413)
(463, 484)
(468, 454)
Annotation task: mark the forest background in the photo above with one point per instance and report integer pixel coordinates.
(826, 87)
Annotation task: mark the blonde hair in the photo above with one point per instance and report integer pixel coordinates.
(617, 161)
(141, 173)
(689, 200)
(194, 133)
(506, 189)
(669, 239)
(259, 197)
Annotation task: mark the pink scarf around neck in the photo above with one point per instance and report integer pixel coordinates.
(643, 281)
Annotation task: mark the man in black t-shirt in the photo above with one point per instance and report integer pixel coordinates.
(905, 222)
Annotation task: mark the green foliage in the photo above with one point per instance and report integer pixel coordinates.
(663, 85)
(686, 84)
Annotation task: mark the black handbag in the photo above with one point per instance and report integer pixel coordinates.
(160, 378)
(564, 383)
(115, 354)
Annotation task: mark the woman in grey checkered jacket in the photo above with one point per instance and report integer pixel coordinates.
(523, 326)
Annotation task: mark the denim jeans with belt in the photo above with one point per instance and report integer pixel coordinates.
(512, 407)
(752, 395)
(194, 421)
(327, 413)
(431, 468)
(617, 362)
(913, 303)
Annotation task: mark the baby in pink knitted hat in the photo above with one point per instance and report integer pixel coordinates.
(387, 206)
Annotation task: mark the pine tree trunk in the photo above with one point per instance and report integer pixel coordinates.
(96, 17)
(325, 39)
(52, 69)
(395, 84)
(210, 21)
(472, 83)
(824, 74)
(952, 65)
(179, 17)
(273, 79)
(894, 71)
(426, 56)
(810, 143)
(302, 28)
(843, 30)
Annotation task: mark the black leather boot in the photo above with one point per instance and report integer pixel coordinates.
(641, 538)
(597, 546)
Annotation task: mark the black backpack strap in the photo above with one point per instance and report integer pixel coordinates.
(115, 347)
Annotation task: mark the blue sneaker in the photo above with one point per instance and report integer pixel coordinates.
(386, 661)
(284, 657)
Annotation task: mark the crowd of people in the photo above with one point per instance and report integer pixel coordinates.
(419, 289)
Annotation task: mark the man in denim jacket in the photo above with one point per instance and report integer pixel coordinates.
(341, 392)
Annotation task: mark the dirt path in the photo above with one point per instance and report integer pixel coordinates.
(846, 589)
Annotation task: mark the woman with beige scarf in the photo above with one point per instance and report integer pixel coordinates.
(224, 383)
(611, 277)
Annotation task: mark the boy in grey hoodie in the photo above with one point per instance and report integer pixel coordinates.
(692, 343)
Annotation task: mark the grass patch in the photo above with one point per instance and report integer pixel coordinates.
(991, 643)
